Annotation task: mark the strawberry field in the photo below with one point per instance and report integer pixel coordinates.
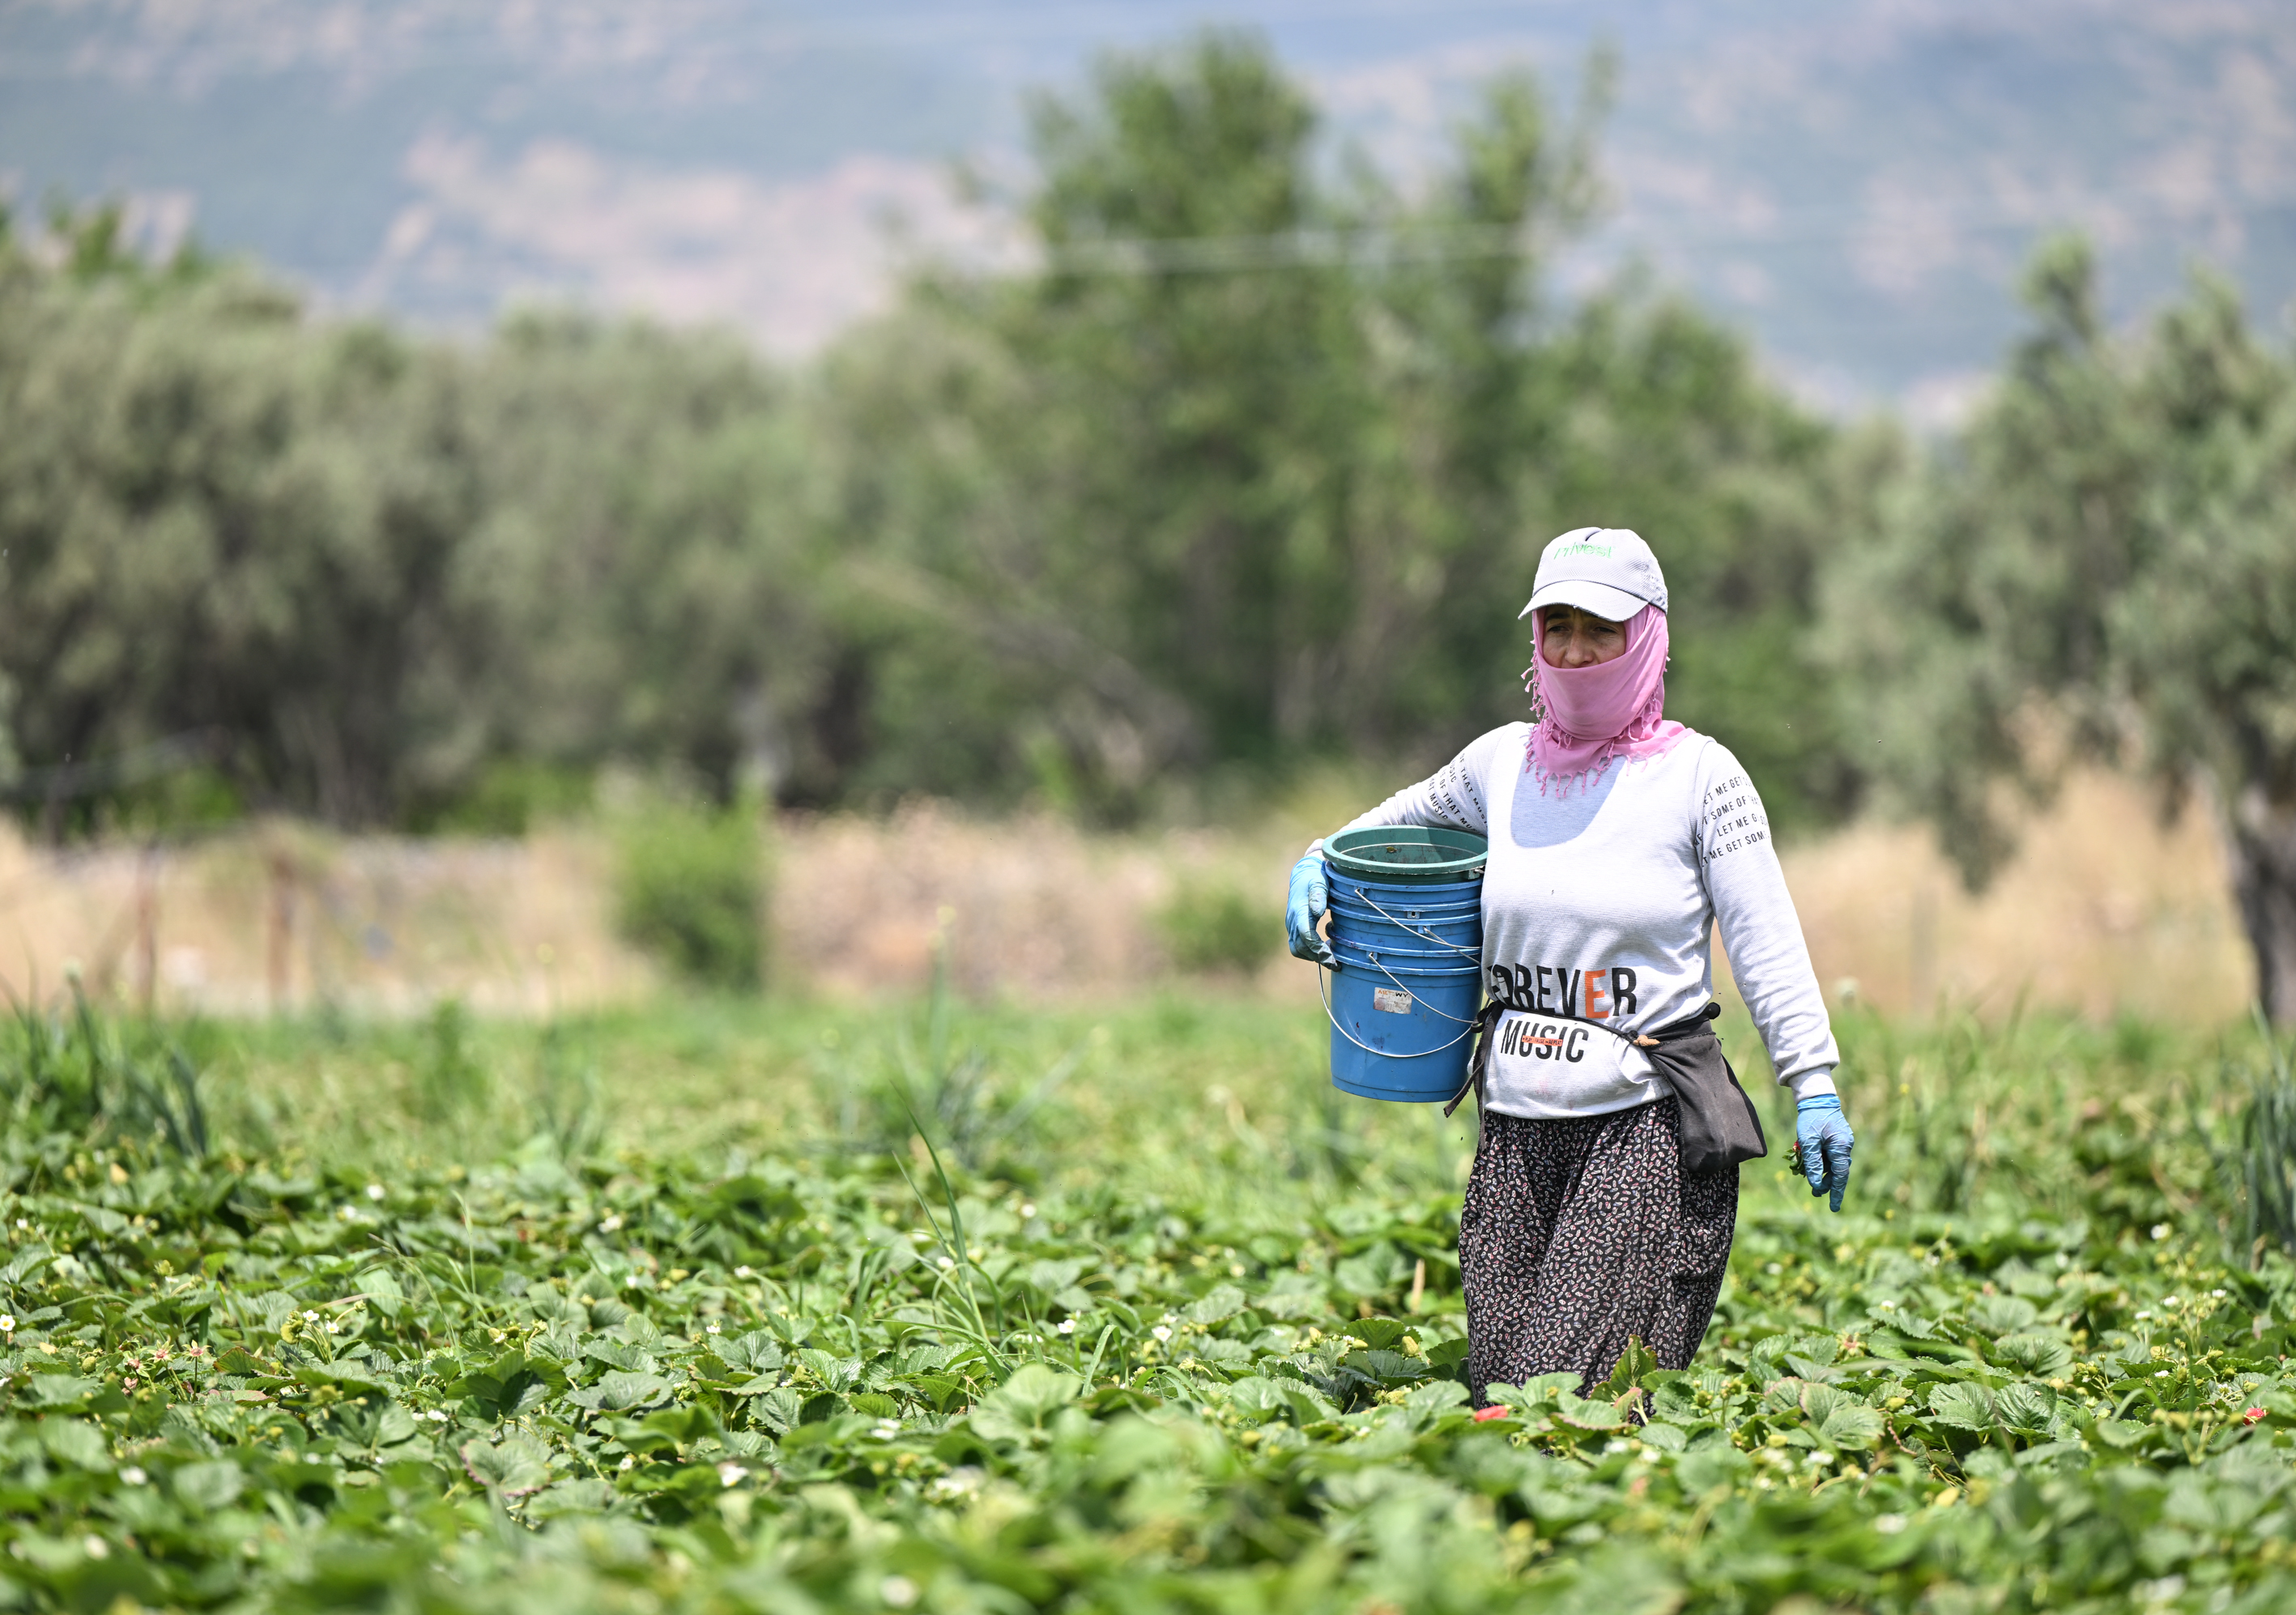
(1001, 1314)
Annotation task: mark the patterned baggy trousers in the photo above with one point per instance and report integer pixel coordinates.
(1577, 1233)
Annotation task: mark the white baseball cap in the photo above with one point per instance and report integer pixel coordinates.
(1607, 570)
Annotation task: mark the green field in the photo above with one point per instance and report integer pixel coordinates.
(679, 1310)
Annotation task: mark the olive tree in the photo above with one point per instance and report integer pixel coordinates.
(2101, 566)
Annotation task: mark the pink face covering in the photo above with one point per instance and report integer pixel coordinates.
(1585, 717)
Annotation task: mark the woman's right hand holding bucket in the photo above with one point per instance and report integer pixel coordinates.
(1303, 911)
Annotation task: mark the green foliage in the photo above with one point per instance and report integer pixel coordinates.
(933, 1081)
(653, 582)
(448, 1082)
(798, 1381)
(88, 1078)
(218, 521)
(381, 580)
(1317, 432)
(689, 888)
(2261, 1156)
(567, 1100)
(1253, 471)
(2102, 565)
(511, 797)
(1214, 927)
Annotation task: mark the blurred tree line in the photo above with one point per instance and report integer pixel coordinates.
(1098, 534)
(1254, 469)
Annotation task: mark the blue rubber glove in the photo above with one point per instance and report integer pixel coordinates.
(1823, 1142)
(1305, 907)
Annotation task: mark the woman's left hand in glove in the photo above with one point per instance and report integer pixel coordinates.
(1823, 1142)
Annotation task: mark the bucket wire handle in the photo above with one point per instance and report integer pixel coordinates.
(1324, 987)
(1415, 999)
(1476, 953)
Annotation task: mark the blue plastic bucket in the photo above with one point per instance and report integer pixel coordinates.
(1377, 922)
(1403, 1000)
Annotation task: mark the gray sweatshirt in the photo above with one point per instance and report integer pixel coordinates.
(1600, 905)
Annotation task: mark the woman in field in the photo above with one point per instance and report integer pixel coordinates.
(1604, 1192)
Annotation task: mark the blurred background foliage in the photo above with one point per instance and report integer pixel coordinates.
(1089, 534)
(1248, 474)
(690, 889)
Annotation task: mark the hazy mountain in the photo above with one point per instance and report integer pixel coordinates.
(1855, 181)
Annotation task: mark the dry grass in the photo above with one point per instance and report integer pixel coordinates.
(2106, 912)
(1022, 908)
(279, 917)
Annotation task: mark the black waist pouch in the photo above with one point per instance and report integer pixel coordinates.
(1720, 1126)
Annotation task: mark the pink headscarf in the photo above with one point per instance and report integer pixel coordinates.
(1582, 717)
